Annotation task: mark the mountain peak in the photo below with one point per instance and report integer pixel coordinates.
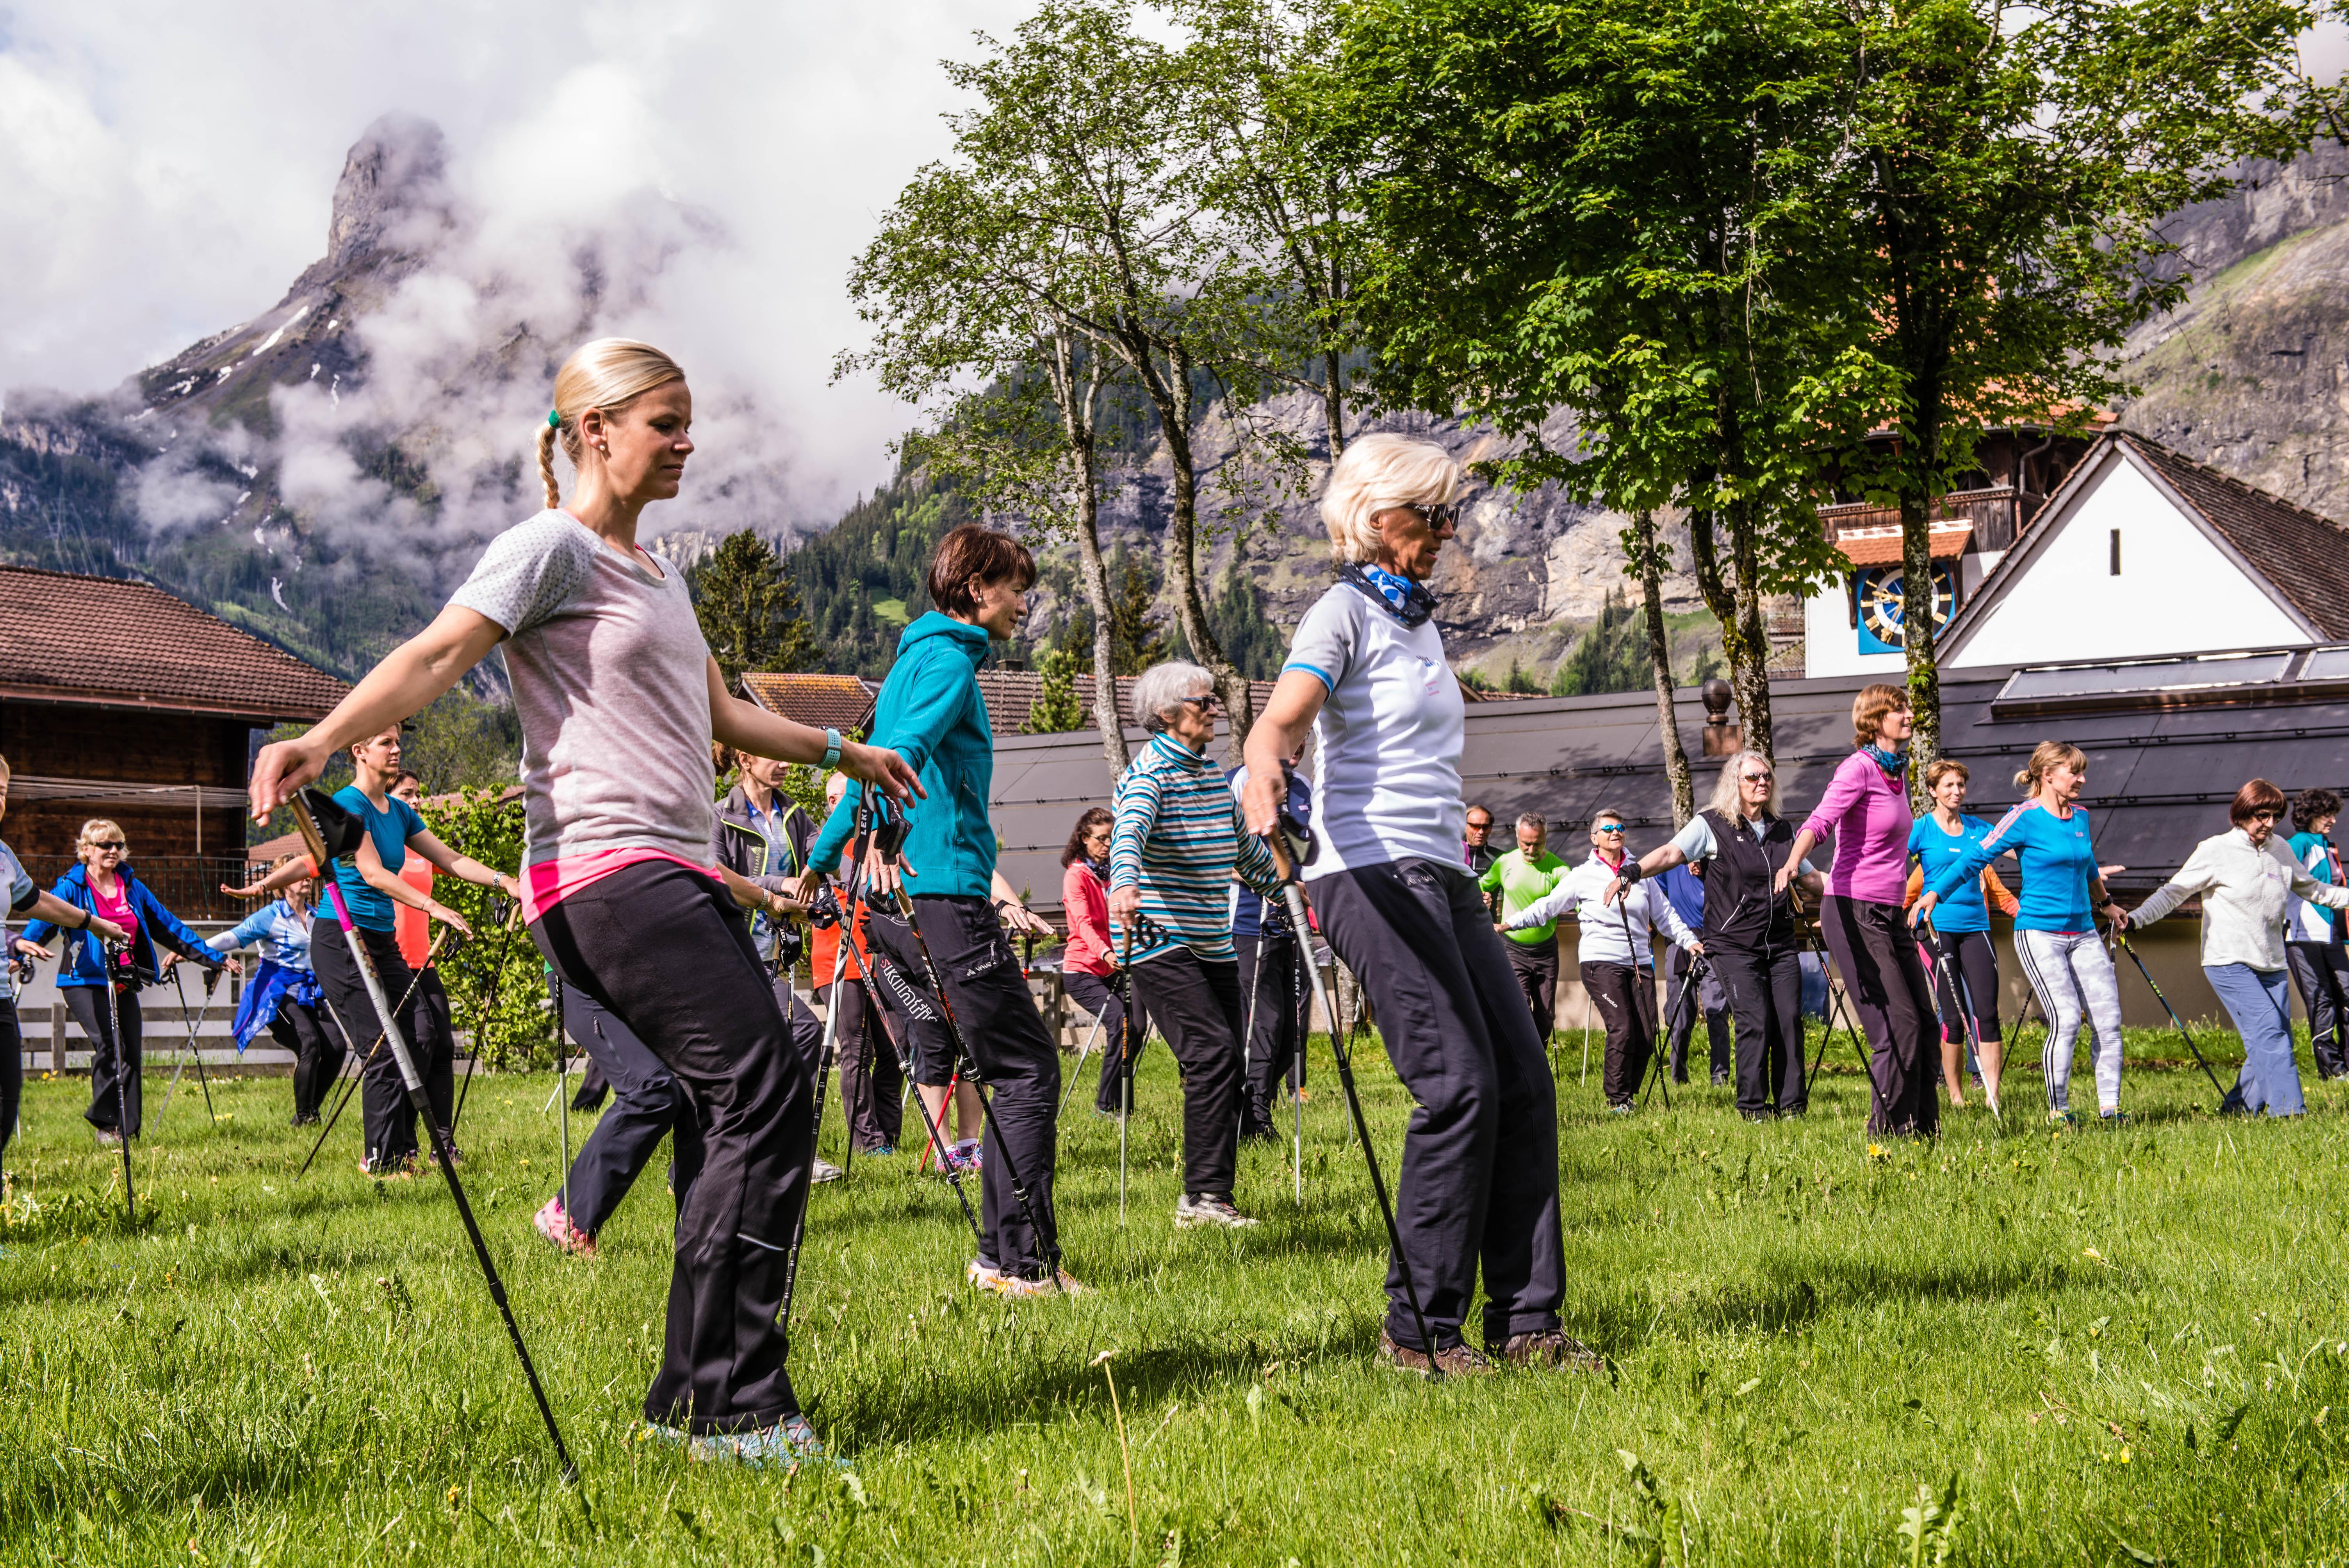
(394, 192)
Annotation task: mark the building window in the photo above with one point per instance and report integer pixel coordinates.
(2117, 552)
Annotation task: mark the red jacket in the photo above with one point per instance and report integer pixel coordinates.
(1085, 902)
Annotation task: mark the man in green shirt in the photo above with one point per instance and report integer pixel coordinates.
(1526, 873)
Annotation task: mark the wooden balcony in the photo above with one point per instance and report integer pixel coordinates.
(1997, 514)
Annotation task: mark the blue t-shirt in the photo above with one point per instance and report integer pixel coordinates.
(2058, 858)
(1684, 891)
(390, 828)
(1937, 849)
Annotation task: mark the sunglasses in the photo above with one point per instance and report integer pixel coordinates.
(110, 845)
(1210, 703)
(1612, 829)
(1444, 516)
(1755, 777)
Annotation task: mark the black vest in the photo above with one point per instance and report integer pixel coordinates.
(1740, 910)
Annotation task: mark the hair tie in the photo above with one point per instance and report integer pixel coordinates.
(554, 418)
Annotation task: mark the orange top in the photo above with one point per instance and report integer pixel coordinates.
(412, 928)
(1994, 892)
(824, 952)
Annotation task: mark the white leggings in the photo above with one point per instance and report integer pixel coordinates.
(2073, 977)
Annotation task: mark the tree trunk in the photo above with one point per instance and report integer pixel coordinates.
(1173, 395)
(1726, 596)
(1660, 661)
(1918, 637)
(1750, 674)
(1333, 403)
(1077, 421)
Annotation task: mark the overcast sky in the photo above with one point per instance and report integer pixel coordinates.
(165, 170)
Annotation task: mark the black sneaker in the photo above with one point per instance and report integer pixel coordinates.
(1454, 1361)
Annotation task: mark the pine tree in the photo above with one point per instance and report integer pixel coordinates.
(749, 610)
(1057, 709)
(1137, 635)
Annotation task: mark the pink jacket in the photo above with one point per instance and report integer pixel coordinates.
(1868, 816)
(1086, 904)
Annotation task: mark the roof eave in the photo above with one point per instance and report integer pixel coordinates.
(258, 714)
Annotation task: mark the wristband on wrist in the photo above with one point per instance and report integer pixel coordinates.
(830, 750)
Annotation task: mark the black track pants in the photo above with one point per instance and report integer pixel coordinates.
(1625, 998)
(2321, 970)
(1885, 979)
(1479, 1174)
(110, 1082)
(872, 1075)
(1276, 988)
(1101, 998)
(1965, 969)
(1764, 993)
(1017, 1059)
(662, 947)
(317, 1049)
(11, 1074)
(1196, 1002)
(1682, 1009)
(1535, 964)
(647, 1105)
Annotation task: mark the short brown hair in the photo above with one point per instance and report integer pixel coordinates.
(1941, 767)
(1868, 708)
(974, 550)
(2258, 795)
(2309, 808)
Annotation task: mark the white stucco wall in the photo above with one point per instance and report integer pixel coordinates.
(1830, 646)
(2177, 592)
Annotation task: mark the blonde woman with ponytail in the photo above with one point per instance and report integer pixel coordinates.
(619, 702)
(2056, 928)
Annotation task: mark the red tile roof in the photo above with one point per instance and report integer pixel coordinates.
(1011, 694)
(1884, 547)
(108, 641)
(827, 702)
(2303, 556)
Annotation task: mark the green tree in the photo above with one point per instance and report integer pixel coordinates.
(1137, 637)
(496, 989)
(749, 610)
(1254, 645)
(461, 742)
(2009, 171)
(1612, 654)
(1057, 709)
(1622, 214)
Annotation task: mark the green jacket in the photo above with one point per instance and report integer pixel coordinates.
(1520, 885)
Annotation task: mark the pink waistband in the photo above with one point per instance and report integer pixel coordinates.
(549, 882)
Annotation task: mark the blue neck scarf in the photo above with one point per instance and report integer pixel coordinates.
(1405, 600)
(1894, 762)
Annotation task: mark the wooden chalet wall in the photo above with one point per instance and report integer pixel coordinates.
(122, 750)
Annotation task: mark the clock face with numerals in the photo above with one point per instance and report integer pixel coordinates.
(1883, 605)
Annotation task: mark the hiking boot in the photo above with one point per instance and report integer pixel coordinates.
(825, 1170)
(1453, 1361)
(304, 1119)
(785, 1446)
(556, 1225)
(1553, 1348)
(1210, 1209)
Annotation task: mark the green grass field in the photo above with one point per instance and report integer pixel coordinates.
(2124, 1348)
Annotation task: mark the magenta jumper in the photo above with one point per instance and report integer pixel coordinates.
(1867, 813)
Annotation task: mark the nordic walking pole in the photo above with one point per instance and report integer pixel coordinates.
(1645, 996)
(562, 1082)
(933, 1130)
(313, 810)
(1966, 1005)
(1284, 862)
(1125, 1069)
(823, 1054)
(1079, 1070)
(2126, 945)
(359, 1076)
(110, 955)
(1256, 988)
(187, 1047)
(1296, 1077)
(1689, 982)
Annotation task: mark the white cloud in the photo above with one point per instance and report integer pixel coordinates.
(165, 173)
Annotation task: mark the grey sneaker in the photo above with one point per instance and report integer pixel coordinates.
(825, 1170)
(1210, 1209)
(1457, 1360)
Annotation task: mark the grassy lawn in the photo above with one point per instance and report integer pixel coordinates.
(2124, 1347)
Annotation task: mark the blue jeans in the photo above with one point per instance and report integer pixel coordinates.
(2260, 1004)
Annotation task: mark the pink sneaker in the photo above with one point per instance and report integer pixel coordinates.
(556, 1225)
(966, 1156)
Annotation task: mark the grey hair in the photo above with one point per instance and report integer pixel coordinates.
(1725, 789)
(1161, 686)
(1532, 820)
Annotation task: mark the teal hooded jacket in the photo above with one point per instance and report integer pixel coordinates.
(931, 714)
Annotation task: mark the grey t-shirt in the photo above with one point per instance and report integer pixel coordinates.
(16, 888)
(610, 679)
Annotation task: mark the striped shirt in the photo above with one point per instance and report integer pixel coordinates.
(1178, 838)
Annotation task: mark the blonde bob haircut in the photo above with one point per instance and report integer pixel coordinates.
(2045, 759)
(1724, 789)
(1378, 471)
(98, 828)
(608, 374)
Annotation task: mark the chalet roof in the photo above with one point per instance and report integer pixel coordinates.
(827, 702)
(1011, 694)
(1883, 546)
(111, 642)
(2304, 556)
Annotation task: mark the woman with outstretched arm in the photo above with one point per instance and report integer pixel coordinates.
(619, 700)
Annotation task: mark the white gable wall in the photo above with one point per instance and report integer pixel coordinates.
(1831, 644)
(2178, 591)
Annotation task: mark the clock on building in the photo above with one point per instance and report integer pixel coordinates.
(1883, 604)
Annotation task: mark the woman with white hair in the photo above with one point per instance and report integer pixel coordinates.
(1174, 846)
(1749, 931)
(1367, 670)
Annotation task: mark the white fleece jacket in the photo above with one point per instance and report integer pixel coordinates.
(2244, 891)
(1602, 940)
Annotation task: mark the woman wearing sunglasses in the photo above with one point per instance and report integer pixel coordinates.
(109, 893)
(1366, 672)
(1742, 844)
(2246, 876)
